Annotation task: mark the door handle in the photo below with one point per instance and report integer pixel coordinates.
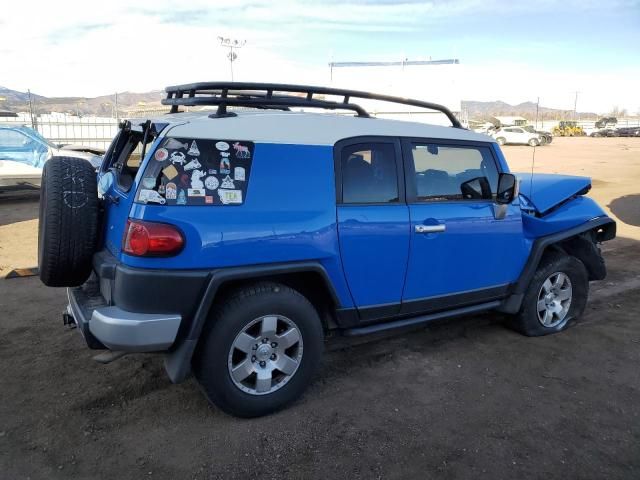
(430, 228)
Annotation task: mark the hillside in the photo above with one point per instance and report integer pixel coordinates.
(484, 110)
(105, 105)
(102, 106)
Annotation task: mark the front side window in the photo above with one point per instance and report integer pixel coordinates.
(369, 173)
(444, 172)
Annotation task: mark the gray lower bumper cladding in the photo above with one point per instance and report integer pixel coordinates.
(126, 331)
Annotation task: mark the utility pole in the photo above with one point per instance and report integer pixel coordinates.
(575, 104)
(33, 125)
(231, 43)
(537, 107)
(117, 114)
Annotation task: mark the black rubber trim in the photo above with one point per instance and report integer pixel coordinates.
(445, 302)
(408, 322)
(178, 362)
(605, 229)
(541, 243)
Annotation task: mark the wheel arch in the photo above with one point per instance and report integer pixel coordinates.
(572, 242)
(309, 278)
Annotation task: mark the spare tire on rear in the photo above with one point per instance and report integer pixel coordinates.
(68, 224)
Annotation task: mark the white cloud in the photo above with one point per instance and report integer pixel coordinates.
(92, 48)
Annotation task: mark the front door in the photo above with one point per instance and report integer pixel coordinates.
(462, 251)
(373, 223)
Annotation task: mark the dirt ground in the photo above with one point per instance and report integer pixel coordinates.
(460, 399)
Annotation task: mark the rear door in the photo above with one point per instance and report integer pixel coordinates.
(122, 159)
(373, 223)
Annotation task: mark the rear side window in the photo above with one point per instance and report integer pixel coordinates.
(369, 173)
(443, 172)
(188, 171)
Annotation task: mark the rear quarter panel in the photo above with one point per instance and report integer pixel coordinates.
(289, 215)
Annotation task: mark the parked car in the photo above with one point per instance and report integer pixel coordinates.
(628, 132)
(600, 132)
(23, 152)
(518, 135)
(546, 137)
(606, 122)
(246, 238)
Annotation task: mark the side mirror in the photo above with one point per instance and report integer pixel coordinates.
(507, 188)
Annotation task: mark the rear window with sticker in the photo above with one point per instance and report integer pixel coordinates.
(187, 171)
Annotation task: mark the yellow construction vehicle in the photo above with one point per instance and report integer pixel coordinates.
(568, 129)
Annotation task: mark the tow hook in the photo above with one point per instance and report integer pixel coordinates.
(68, 320)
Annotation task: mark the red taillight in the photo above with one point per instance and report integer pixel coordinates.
(151, 239)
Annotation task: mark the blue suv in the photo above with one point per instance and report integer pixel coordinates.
(248, 232)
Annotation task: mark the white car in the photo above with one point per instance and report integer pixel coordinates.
(517, 135)
(23, 152)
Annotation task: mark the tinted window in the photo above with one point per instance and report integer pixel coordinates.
(189, 171)
(441, 170)
(369, 173)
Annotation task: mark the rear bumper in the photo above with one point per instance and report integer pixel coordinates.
(118, 329)
(128, 309)
(104, 326)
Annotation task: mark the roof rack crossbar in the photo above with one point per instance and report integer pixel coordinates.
(261, 95)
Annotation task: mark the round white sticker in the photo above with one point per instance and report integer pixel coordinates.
(161, 154)
(223, 146)
(211, 183)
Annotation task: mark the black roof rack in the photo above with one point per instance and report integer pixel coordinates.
(281, 97)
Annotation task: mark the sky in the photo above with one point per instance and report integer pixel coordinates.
(512, 51)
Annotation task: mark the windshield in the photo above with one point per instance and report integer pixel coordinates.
(36, 134)
(529, 129)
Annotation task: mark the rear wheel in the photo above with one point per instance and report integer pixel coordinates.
(260, 350)
(557, 296)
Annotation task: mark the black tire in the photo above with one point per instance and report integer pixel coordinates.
(527, 321)
(533, 142)
(230, 318)
(68, 224)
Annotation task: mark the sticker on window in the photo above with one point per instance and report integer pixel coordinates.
(188, 171)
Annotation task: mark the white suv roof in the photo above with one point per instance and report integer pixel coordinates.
(303, 128)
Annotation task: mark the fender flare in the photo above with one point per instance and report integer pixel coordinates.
(177, 362)
(605, 230)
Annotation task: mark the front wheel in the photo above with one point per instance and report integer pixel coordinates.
(260, 351)
(557, 296)
(533, 142)
(501, 141)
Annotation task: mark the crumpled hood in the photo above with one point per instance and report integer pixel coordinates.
(545, 190)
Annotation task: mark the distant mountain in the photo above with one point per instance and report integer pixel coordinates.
(102, 106)
(13, 96)
(129, 101)
(486, 110)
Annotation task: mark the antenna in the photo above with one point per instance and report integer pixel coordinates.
(533, 159)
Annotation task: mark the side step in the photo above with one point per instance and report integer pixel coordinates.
(408, 322)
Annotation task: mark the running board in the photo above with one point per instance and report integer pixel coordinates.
(408, 322)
